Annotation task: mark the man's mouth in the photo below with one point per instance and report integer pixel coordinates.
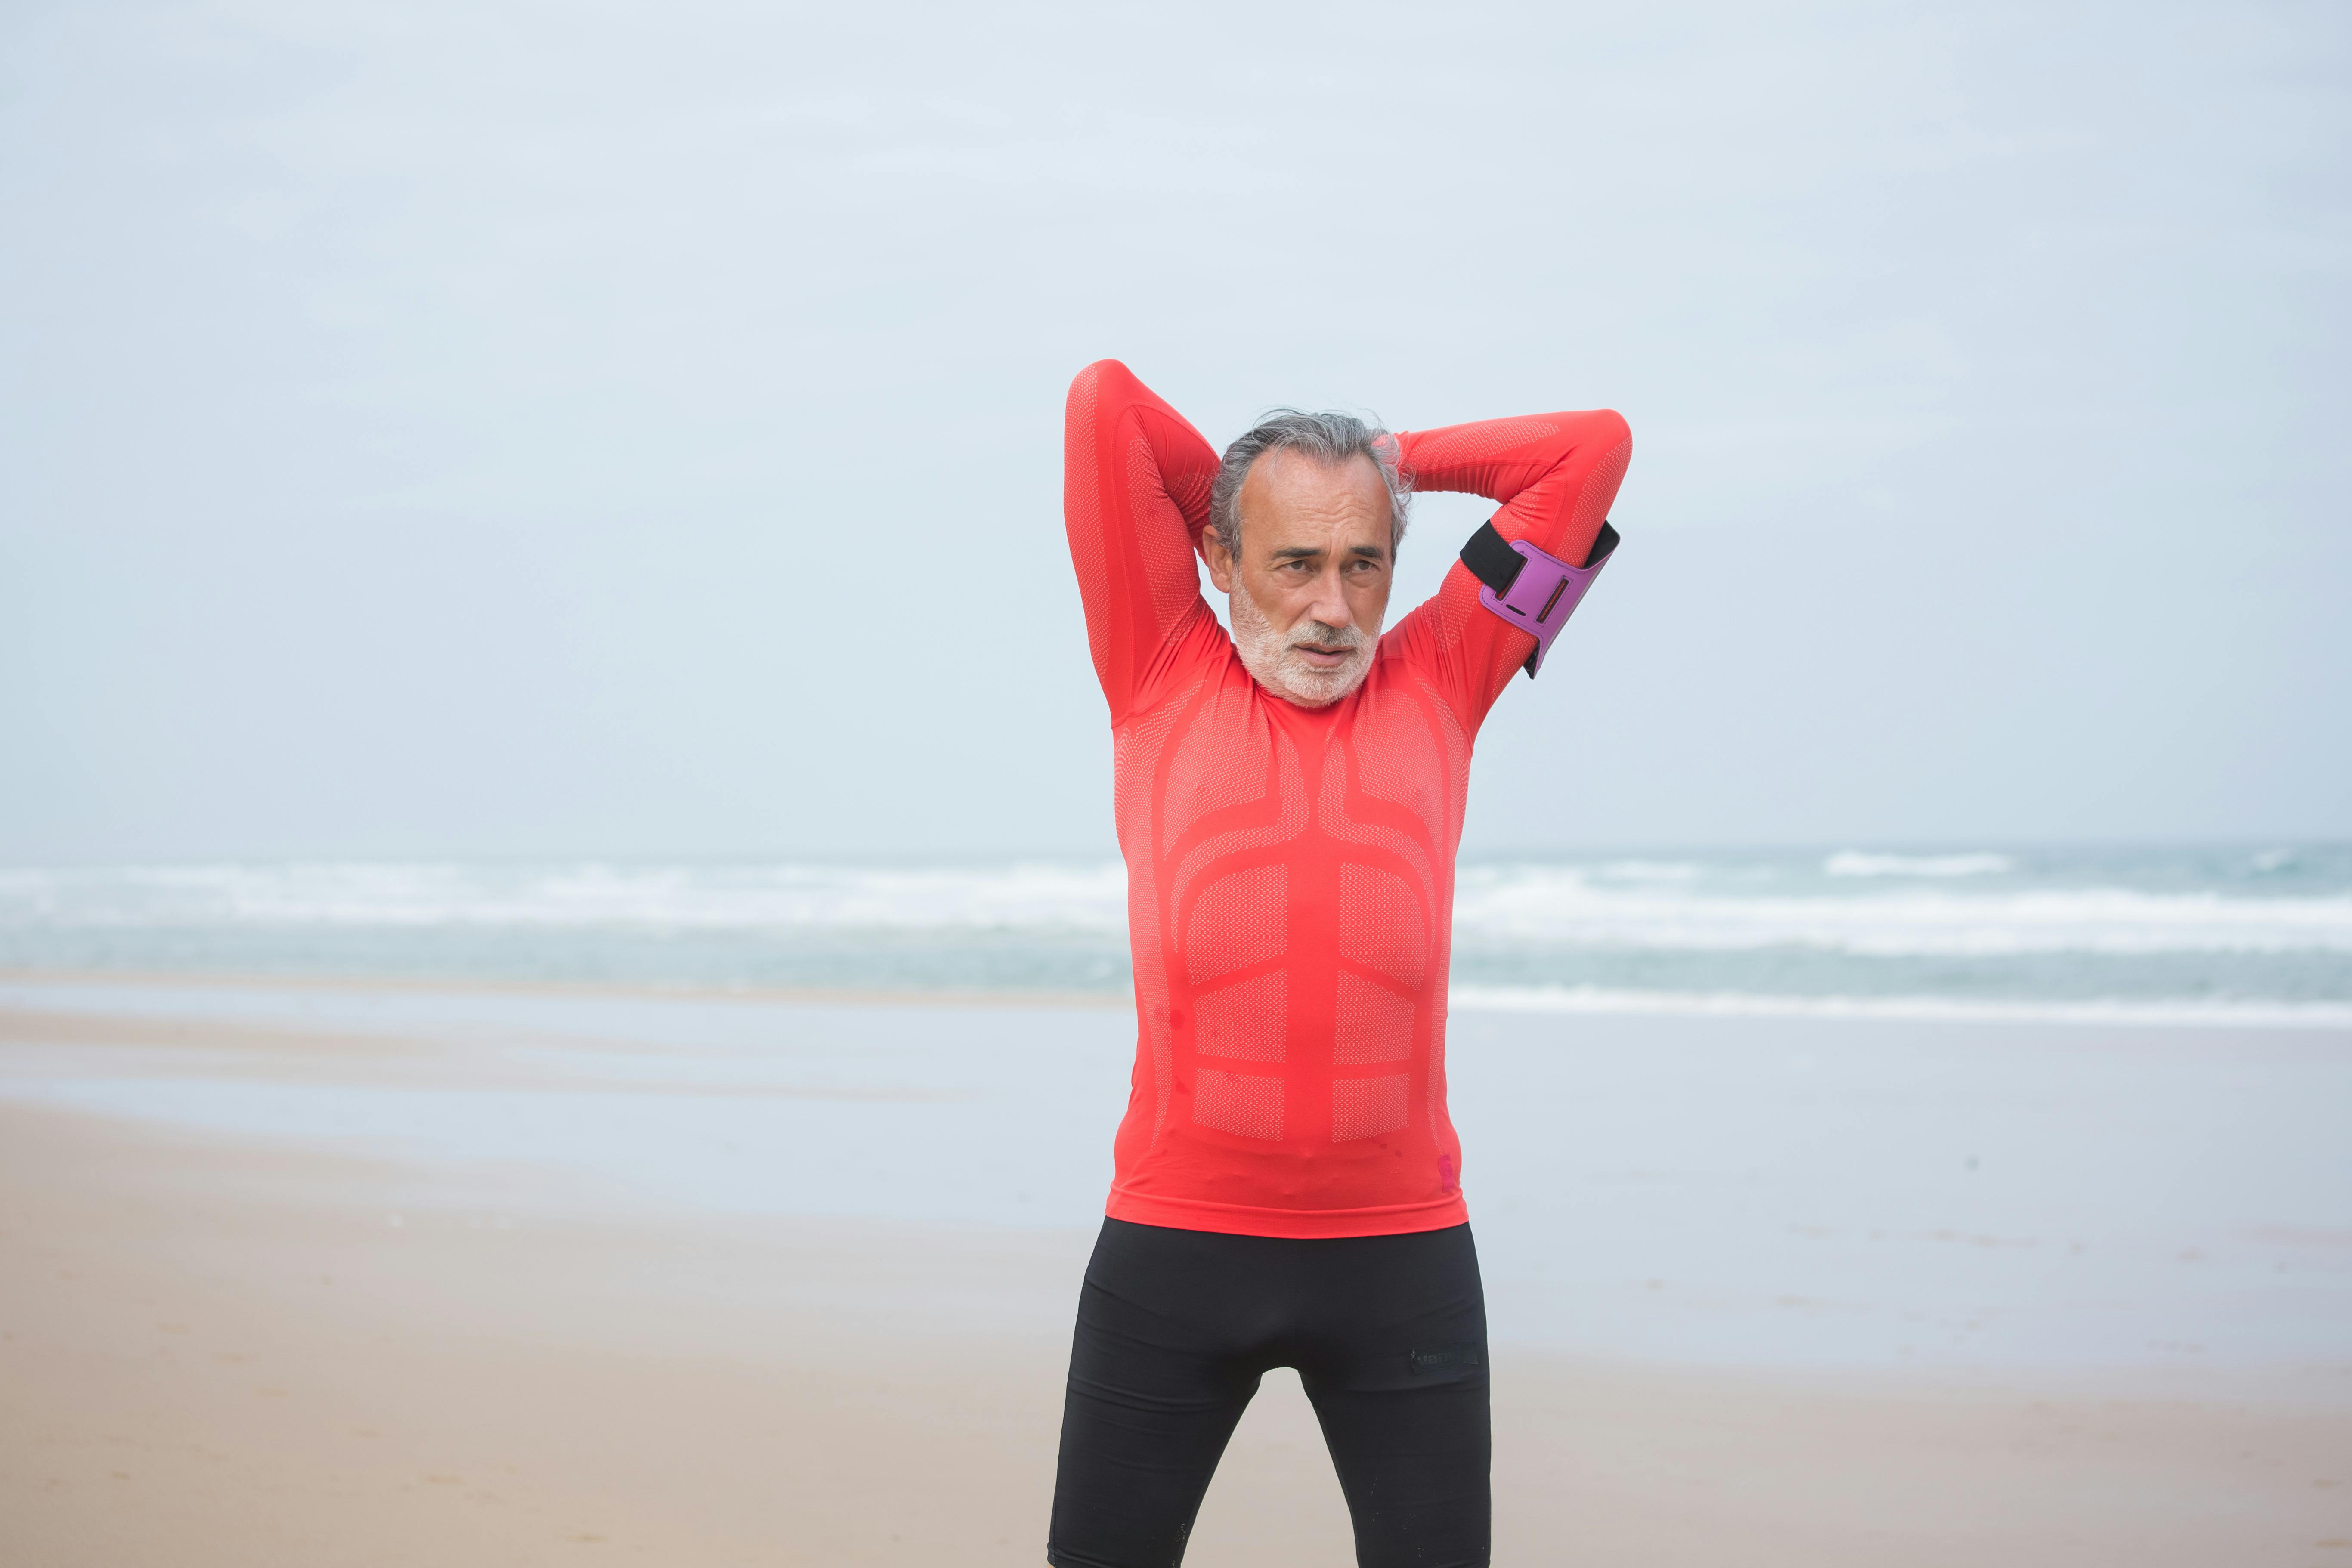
(1320, 658)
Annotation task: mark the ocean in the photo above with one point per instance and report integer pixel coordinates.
(2259, 934)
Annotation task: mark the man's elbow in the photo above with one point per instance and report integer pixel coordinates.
(1602, 428)
(1105, 375)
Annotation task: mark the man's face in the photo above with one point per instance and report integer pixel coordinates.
(1310, 585)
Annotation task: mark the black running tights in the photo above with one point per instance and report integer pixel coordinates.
(1175, 1327)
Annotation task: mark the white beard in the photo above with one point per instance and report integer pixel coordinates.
(1268, 656)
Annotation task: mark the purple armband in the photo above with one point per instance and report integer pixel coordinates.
(1535, 592)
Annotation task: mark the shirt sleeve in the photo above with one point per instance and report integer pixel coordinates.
(1134, 496)
(1556, 476)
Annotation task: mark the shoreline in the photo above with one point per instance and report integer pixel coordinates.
(348, 982)
(1553, 1000)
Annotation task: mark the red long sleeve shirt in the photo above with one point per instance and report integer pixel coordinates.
(1290, 870)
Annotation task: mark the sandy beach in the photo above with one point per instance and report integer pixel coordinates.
(244, 1320)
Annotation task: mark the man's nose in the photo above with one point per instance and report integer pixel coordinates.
(1331, 605)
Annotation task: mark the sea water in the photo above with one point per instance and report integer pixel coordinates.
(2242, 933)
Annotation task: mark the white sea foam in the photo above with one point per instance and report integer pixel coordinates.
(1669, 871)
(1855, 863)
(1564, 906)
(592, 894)
(1741, 1004)
(1621, 905)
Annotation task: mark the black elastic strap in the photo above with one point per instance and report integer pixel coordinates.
(1492, 559)
(1493, 562)
(1602, 543)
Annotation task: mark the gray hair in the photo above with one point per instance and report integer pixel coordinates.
(1331, 438)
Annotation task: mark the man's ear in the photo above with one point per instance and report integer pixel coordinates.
(1219, 560)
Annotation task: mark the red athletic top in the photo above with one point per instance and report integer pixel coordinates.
(1290, 870)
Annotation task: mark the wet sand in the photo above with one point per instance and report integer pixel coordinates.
(223, 1349)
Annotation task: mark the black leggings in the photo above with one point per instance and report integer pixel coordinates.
(1175, 1327)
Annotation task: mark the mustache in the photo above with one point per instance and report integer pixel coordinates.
(1322, 635)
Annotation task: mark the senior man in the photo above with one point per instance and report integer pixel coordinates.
(1288, 1187)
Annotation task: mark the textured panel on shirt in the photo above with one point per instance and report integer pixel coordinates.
(1381, 924)
(1374, 1023)
(1290, 785)
(1249, 1020)
(1141, 739)
(1331, 813)
(1466, 445)
(1240, 1102)
(1392, 753)
(1592, 501)
(1456, 603)
(1241, 917)
(1368, 1107)
(1189, 489)
(1457, 763)
(1222, 759)
(1157, 516)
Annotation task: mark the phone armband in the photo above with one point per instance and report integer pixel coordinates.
(1533, 591)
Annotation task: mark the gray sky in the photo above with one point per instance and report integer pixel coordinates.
(531, 428)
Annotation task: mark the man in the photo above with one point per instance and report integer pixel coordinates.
(1289, 799)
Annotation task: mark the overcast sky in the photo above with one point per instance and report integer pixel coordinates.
(488, 428)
